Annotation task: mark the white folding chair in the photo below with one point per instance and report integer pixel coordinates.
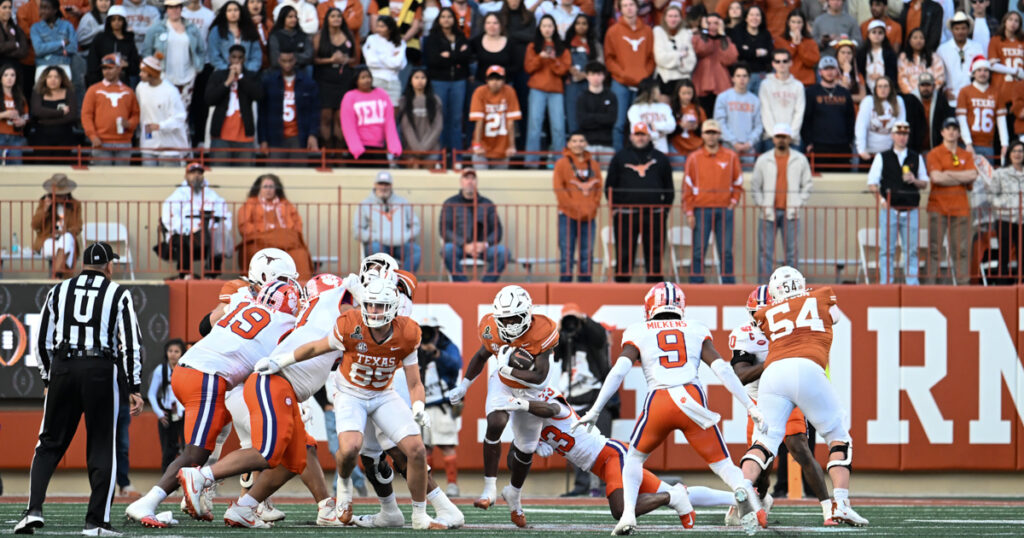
(868, 238)
(112, 233)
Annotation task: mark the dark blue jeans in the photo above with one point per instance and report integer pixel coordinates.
(720, 221)
(452, 95)
(569, 232)
(407, 255)
(496, 257)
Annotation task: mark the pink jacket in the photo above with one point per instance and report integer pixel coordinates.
(367, 120)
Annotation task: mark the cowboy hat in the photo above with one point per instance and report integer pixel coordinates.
(59, 184)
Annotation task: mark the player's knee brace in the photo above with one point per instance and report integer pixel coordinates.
(516, 455)
(246, 480)
(764, 461)
(846, 449)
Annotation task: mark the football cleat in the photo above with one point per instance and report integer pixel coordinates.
(842, 512)
(485, 501)
(452, 517)
(327, 513)
(140, 513)
(626, 525)
(192, 483)
(30, 521)
(511, 497)
(380, 520)
(751, 513)
(153, 523)
(732, 517)
(100, 530)
(425, 522)
(345, 513)
(268, 512)
(244, 517)
(688, 520)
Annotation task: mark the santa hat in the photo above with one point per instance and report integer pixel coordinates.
(978, 62)
(153, 65)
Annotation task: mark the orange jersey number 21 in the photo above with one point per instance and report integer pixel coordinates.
(673, 343)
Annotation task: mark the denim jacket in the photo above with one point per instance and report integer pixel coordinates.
(54, 44)
(218, 47)
(156, 40)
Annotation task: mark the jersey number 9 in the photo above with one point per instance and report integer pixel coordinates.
(673, 343)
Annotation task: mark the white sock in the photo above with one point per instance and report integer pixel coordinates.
(632, 476)
(344, 492)
(389, 504)
(207, 474)
(679, 500)
(490, 486)
(247, 501)
(515, 499)
(419, 509)
(154, 497)
(826, 508)
(841, 494)
(729, 473)
(702, 496)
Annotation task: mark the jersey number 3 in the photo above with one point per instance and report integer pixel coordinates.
(252, 321)
(554, 436)
(672, 342)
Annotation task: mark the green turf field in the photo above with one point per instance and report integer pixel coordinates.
(889, 520)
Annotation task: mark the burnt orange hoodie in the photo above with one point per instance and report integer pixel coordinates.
(546, 73)
(629, 52)
(577, 183)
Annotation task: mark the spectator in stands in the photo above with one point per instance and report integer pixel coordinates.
(926, 112)
(57, 225)
(409, 18)
(926, 15)
(55, 112)
(715, 55)
(386, 222)
(984, 25)
(976, 109)
(597, 112)
(468, 17)
(264, 23)
(493, 48)
(650, 108)
(421, 117)
(53, 38)
(1006, 48)
(829, 126)
(14, 44)
(115, 39)
(110, 115)
(893, 30)
(183, 50)
(269, 220)
(779, 187)
(563, 12)
(440, 362)
(629, 56)
(733, 15)
(305, 15)
(351, 12)
(876, 56)
(738, 112)
(915, 60)
(713, 187)
(754, 46)
(640, 192)
(951, 172)
(495, 106)
(688, 118)
(163, 119)
(584, 46)
(288, 113)
(384, 52)
(368, 120)
(875, 118)
(850, 76)
(201, 16)
(287, 34)
(91, 24)
(577, 183)
(896, 179)
(196, 220)
(1007, 193)
(335, 52)
(170, 413)
(233, 26)
(674, 57)
(471, 231)
(140, 16)
(782, 96)
(231, 92)
(547, 62)
(520, 25)
(957, 55)
(802, 49)
(834, 24)
(776, 12)
(448, 56)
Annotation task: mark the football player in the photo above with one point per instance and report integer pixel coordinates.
(749, 348)
(217, 363)
(669, 349)
(374, 342)
(511, 325)
(592, 451)
(798, 323)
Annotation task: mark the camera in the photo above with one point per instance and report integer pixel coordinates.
(571, 324)
(429, 334)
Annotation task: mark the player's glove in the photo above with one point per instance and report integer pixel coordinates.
(273, 364)
(544, 450)
(758, 417)
(503, 354)
(589, 420)
(419, 414)
(514, 404)
(456, 394)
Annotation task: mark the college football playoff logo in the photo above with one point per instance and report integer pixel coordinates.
(12, 340)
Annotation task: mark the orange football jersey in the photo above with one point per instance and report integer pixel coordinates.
(981, 111)
(800, 326)
(497, 111)
(1009, 53)
(367, 364)
(540, 337)
(230, 288)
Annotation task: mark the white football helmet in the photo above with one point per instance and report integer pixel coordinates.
(379, 292)
(786, 282)
(379, 265)
(271, 264)
(513, 312)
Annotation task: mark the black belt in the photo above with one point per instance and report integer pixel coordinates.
(88, 353)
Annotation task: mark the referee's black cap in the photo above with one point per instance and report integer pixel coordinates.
(99, 254)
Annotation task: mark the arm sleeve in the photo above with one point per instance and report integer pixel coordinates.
(739, 357)
(46, 330)
(875, 173)
(129, 338)
(732, 383)
(861, 125)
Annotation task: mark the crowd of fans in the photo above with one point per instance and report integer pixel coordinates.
(286, 77)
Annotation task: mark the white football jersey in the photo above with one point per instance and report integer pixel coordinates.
(580, 447)
(315, 322)
(670, 350)
(247, 333)
(749, 339)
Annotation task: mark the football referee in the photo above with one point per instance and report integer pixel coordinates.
(89, 360)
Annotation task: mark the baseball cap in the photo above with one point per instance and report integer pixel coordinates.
(710, 126)
(950, 122)
(495, 70)
(384, 177)
(117, 11)
(572, 309)
(828, 61)
(429, 321)
(468, 172)
(900, 126)
(876, 24)
(639, 128)
(171, 3)
(925, 78)
(111, 59)
(194, 165)
(99, 254)
(782, 129)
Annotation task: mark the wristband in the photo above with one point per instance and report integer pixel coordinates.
(417, 407)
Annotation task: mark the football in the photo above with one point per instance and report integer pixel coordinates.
(520, 359)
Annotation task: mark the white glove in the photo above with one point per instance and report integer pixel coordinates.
(354, 286)
(514, 404)
(274, 364)
(544, 450)
(305, 408)
(758, 417)
(503, 354)
(456, 394)
(589, 420)
(419, 414)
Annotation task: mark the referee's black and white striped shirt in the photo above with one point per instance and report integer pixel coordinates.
(90, 313)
